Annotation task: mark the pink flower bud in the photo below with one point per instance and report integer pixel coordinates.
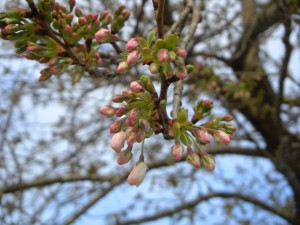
(121, 111)
(182, 74)
(133, 116)
(140, 136)
(136, 87)
(154, 68)
(116, 126)
(130, 136)
(181, 52)
(208, 162)
(177, 151)
(137, 174)
(107, 110)
(133, 57)
(122, 67)
(117, 141)
(103, 35)
(163, 55)
(124, 157)
(194, 160)
(221, 137)
(118, 98)
(172, 56)
(227, 118)
(131, 44)
(201, 135)
(82, 20)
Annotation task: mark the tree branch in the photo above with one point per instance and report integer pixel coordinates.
(195, 202)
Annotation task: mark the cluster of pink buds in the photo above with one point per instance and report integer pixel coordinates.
(138, 121)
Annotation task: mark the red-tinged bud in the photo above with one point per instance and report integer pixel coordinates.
(116, 126)
(201, 135)
(208, 162)
(82, 20)
(130, 136)
(121, 111)
(68, 28)
(181, 52)
(105, 18)
(133, 116)
(172, 56)
(118, 99)
(163, 55)
(124, 157)
(155, 116)
(140, 136)
(32, 47)
(131, 44)
(230, 127)
(72, 4)
(99, 61)
(136, 87)
(43, 60)
(221, 137)
(227, 118)
(107, 111)
(137, 174)
(123, 67)
(103, 35)
(78, 12)
(126, 93)
(53, 61)
(117, 141)
(145, 125)
(154, 68)
(133, 57)
(181, 74)
(177, 151)
(194, 159)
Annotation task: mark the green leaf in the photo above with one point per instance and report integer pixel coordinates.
(171, 41)
(142, 42)
(151, 36)
(146, 55)
(184, 138)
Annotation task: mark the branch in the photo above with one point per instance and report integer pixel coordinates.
(195, 202)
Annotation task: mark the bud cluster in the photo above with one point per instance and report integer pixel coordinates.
(162, 56)
(138, 119)
(65, 39)
(188, 133)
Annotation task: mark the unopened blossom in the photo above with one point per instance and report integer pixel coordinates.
(194, 159)
(137, 174)
(103, 35)
(154, 68)
(182, 74)
(116, 126)
(133, 116)
(222, 137)
(117, 141)
(181, 52)
(107, 110)
(124, 156)
(208, 162)
(123, 67)
(136, 87)
(131, 44)
(133, 57)
(131, 136)
(202, 135)
(163, 55)
(177, 151)
(172, 56)
(227, 118)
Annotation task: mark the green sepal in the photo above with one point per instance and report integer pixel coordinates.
(185, 139)
(151, 36)
(171, 41)
(182, 115)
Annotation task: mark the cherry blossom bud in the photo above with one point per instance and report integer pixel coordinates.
(201, 135)
(130, 136)
(208, 162)
(121, 111)
(117, 141)
(182, 74)
(118, 98)
(227, 118)
(140, 136)
(177, 151)
(154, 68)
(131, 44)
(107, 110)
(137, 174)
(133, 57)
(103, 35)
(221, 137)
(193, 158)
(122, 67)
(163, 55)
(172, 56)
(133, 116)
(116, 126)
(124, 157)
(136, 87)
(181, 52)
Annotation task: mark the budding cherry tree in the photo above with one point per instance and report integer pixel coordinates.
(68, 41)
